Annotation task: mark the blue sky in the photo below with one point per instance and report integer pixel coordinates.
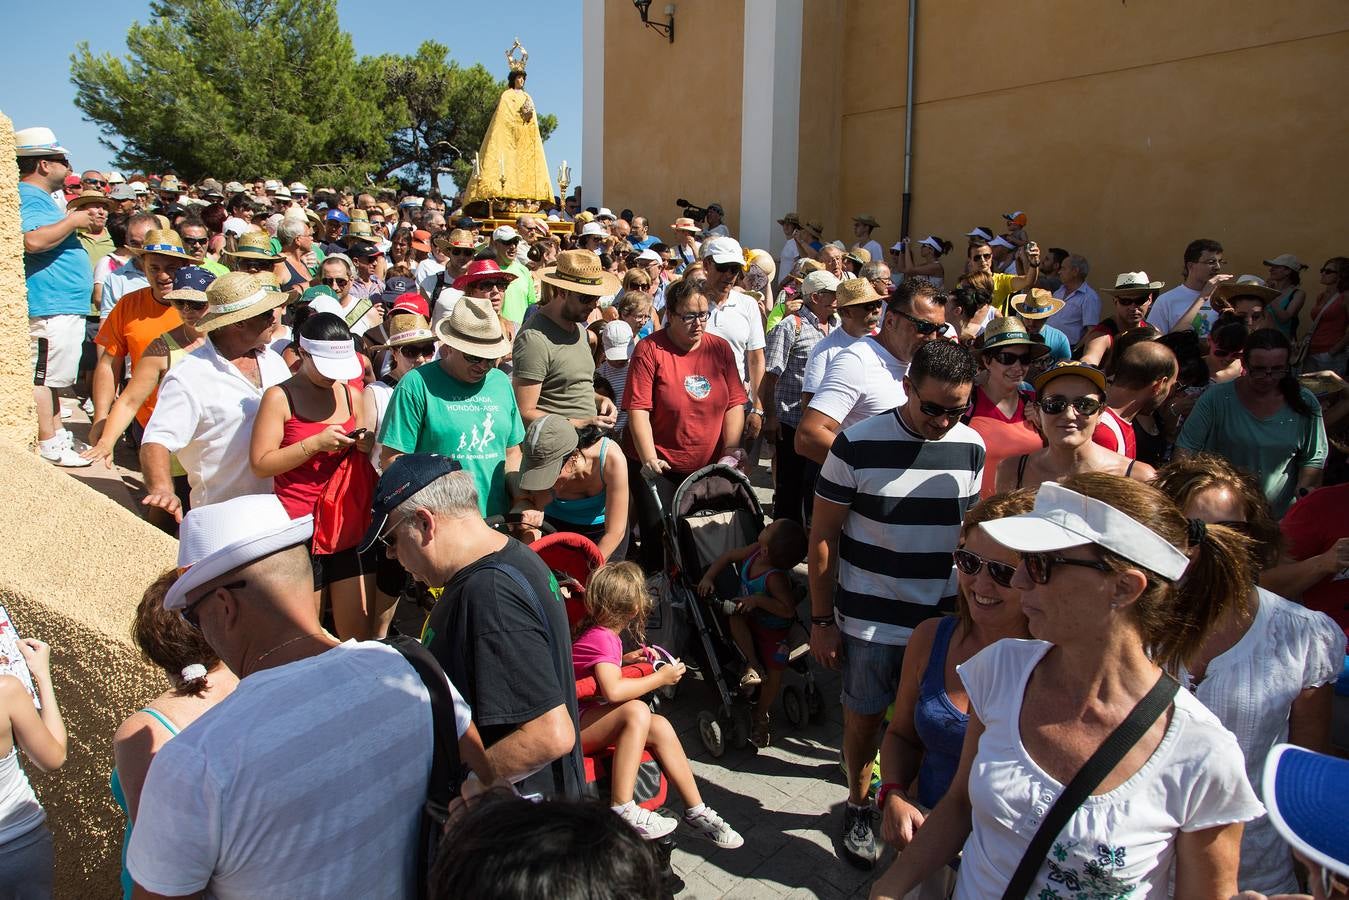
(35, 68)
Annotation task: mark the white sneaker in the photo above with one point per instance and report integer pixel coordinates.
(88, 407)
(68, 439)
(713, 827)
(66, 411)
(649, 825)
(61, 455)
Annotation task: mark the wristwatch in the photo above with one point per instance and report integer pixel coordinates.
(756, 412)
(822, 621)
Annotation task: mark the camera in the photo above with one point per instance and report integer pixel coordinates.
(696, 213)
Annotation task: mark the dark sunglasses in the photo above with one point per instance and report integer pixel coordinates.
(95, 182)
(922, 326)
(868, 308)
(725, 267)
(1087, 406)
(970, 564)
(1007, 358)
(194, 305)
(189, 612)
(412, 351)
(461, 252)
(510, 243)
(1040, 566)
(935, 410)
(195, 242)
(1131, 301)
(339, 282)
(479, 360)
(493, 284)
(248, 265)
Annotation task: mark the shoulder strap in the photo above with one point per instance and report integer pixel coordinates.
(358, 311)
(1092, 773)
(1021, 468)
(161, 719)
(290, 401)
(1128, 470)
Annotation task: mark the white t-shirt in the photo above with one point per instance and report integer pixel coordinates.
(822, 355)
(1251, 688)
(428, 268)
(862, 380)
(1121, 843)
(444, 304)
(874, 248)
(740, 323)
(1167, 309)
(791, 252)
(307, 781)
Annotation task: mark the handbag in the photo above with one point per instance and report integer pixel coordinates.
(342, 512)
(1092, 773)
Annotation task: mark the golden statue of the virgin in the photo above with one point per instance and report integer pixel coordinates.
(510, 172)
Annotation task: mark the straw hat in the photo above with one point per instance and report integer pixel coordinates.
(162, 242)
(37, 142)
(580, 271)
(684, 223)
(169, 184)
(760, 259)
(1008, 331)
(814, 227)
(474, 328)
(1037, 303)
(853, 291)
(360, 230)
(1134, 283)
(90, 198)
(1245, 286)
(406, 328)
(254, 245)
(235, 297)
(455, 237)
(859, 255)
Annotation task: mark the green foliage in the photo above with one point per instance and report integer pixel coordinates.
(241, 88)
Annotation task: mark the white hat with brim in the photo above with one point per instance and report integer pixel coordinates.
(722, 250)
(1134, 283)
(817, 281)
(1063, 518)
(333, 359)
(474, 328)
(1288, 261)
(219, 538)
(37, 142)
(1244, 286)
(236, 297)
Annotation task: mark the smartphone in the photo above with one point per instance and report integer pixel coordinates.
(358, 433)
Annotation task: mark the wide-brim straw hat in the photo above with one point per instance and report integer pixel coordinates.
(90, 198)
(162, 242)
(1037, 303)
(235, 297)
(474, 328)
(360, 230)
(1134, 283)
(455, 237)
(684, 223)
(406, 328)
(1245, 286)
(254, 245)
(581, 271)
(790, 219)
(852, 291)
(1009, 331)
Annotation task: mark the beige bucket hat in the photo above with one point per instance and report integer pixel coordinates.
(474, 328)
(580, 271)
(235, 297)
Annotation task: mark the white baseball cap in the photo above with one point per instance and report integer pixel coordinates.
(722, 250)
(819, 280)
(218, 538)
(617, 338)
(1063, 518)
(649, 255)
(505, 233)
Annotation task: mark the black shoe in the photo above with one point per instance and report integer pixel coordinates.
(859, 838)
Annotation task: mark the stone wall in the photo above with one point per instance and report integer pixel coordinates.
(72, 568)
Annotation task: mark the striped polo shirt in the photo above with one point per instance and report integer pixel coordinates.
(906, 497)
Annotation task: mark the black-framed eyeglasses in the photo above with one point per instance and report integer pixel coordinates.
(937, 411)
(412, 351)
(970, 563)
(335, 282)
(1086, 406)
(690, 318)
(1008, 358)
(1267, 371)
(725, 267)
(922, 326)
(1040, 566)
(189, 612)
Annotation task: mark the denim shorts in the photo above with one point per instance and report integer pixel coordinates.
(870, 675)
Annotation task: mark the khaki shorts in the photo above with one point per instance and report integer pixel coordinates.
(55, 343)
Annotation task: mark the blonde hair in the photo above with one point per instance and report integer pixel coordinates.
(1183, 479)
(617, 598)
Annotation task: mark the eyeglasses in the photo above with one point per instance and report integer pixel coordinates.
(195, 242)
(937, 411)
(1267, 371)
(1007, 358)
(982, 257)
(922, 326)
(461, 252)
(1131, 301)
(970, 564)
(335, 282)
(412, 351)
(479, 360)
(690, 318)
(1040, 566)
(873, 307)
(725, 267)
(1085, 406)
(189, 612)
(95, 182)
(384, 538)
(194, 305)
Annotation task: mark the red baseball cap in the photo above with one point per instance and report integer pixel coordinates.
(479, 270)
(411, 302)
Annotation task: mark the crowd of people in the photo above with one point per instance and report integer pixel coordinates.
(1082, 567)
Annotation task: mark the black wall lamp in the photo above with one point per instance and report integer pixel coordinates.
(644, 8)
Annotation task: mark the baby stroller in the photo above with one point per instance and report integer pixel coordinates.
(714, 510)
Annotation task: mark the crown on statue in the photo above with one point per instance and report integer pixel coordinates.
(517, 64)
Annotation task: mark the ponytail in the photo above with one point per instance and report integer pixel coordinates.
(1219, 578)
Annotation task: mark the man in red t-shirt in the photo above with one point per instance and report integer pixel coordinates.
(1316, 531)
(1144, 375)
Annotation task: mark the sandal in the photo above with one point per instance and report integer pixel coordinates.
(759, 731)
(749, 681)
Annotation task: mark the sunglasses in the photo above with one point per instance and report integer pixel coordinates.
(970, 564)
(1086, 406)
(195, 242)
(936, 410)
(189, 612)
(1266, 371)
(725, 267)
(412, 351)
(690, 318)
(1040, 566)
(468, 252)
(336, 282)
(1131, 301)
(194, 305)
(479, 360)
(922, 326)
(383, 539)
(493, 284)
(873, 307)
(95, 182)
(1007, 358)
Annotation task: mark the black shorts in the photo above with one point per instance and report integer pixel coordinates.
(330, 568)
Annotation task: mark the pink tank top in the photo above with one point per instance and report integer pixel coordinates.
(299, 489)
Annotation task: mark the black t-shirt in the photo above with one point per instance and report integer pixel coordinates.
(487, 636)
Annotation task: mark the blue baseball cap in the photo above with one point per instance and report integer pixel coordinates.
(1304, 793)
(396, 287)
(338, 215)
(404, 477)
(190, 283)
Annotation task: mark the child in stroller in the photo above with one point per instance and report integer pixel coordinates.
(617, 599)
(764, 612)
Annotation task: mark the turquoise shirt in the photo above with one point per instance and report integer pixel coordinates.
(60, 280)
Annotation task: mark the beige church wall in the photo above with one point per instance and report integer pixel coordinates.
(672, 111)
(72, 568)
(818, 144)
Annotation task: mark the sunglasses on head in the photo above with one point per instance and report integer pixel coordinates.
(336, 282)
(1008, 358)
(412, 351)
(1086, 406)
(970, 563)
(1040, 566)
(922, 326)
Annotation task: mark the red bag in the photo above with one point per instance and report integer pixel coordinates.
(342, 513)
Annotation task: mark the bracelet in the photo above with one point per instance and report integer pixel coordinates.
(822, 621)
(756, 412)
(885, 789)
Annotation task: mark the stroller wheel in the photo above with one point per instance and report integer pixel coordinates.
(794, 706)
(814, 704)
(710, 730)
(739, 726)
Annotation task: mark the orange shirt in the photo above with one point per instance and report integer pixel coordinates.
(133, 325)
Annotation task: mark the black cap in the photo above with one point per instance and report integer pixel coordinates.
(404, 477)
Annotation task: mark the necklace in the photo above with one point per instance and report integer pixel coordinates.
(284, 644)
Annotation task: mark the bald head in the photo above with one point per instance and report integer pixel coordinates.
(1143, 364)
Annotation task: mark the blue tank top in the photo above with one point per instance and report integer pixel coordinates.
(940, 726)
(582, 510)
(119, 796)
(759, 585)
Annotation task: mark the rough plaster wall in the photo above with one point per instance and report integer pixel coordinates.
(72, 568)
(17, 414)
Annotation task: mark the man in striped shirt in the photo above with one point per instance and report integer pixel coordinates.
(888, 507)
